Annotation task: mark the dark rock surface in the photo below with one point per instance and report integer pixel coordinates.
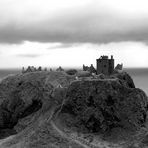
(36, 106)
(100, 105)
(125, 79)
(25, 94)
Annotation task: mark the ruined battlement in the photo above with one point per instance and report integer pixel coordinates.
(104, 65)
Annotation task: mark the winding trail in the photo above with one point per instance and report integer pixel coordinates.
(66, 136)
(5, 140)
(52, 123)
(71, 137)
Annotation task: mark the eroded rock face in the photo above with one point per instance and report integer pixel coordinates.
(100, 105)
(24, 94)
(125, 79)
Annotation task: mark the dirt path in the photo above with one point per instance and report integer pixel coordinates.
(66, 136)
(54, 113)
(71, 137)
(76, 139)
(5, 140)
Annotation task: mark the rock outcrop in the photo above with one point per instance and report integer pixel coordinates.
(35, 106)
(125, 79)
(25, 94)
(100, 105)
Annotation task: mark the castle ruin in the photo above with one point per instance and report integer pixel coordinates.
(105, 65)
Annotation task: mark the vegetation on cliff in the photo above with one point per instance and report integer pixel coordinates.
(38, 108)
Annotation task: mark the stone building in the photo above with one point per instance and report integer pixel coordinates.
(91, 69)
(105, 65)
(60, 69)
(119, 67)
(32, 69)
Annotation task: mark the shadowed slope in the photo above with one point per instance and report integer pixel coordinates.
(38, 110)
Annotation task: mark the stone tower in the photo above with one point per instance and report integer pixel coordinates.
(105, 65)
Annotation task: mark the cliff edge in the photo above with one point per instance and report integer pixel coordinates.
(100, 105)
(46, 109)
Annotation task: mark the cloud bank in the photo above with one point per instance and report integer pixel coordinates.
(89, 22)
(28, 55)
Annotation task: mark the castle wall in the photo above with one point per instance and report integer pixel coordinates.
(111, 66)
(103, 66)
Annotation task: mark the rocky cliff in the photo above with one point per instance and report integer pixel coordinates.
(99, 105)
(38, 107)
(25, 94)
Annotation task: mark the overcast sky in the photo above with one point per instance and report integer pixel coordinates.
(72, 32)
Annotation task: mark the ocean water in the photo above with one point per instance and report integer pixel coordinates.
(5, 72)
(139, 75)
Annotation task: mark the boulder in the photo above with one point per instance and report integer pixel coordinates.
(100, 105)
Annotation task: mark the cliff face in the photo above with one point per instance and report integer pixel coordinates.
(125, 79)
(100, 105)
(29, 101)
(25, 94)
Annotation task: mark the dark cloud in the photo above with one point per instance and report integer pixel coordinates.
(66, 45)
(82, 26)
(29, 55)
